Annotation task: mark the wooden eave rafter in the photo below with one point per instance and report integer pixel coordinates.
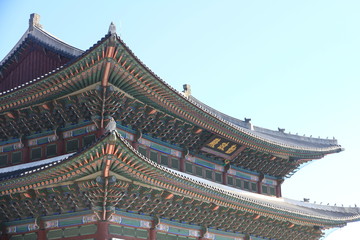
(114, 154)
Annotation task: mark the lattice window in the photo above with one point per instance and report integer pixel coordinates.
(88, 140)
(264, 189)
(254, 187)
(154, 156)
(175, 163)
(35, 154)
(199, 171)
(142, 150)
(188, 167)
(218, 177)
(72, 145)
(230, 180)
(51, 150)
(272, 190)
(3, 160)
(164, 160)
(246, 185)
(16, 157)
(208, 174)
(238, 183)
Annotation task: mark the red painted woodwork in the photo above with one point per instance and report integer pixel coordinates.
(3, 235)
(31, 62)
(102, 230)
(41, 234)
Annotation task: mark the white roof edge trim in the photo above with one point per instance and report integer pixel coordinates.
(34, 164)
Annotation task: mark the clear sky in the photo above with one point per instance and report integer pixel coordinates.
(288, 64)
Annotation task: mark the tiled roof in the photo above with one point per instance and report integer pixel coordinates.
(278, 137)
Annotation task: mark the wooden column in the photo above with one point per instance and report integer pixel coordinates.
(26, 151)
(278, 187)
(259, 183)
(4, 235)
(61, 143)
(152, 230)
(182, 160)
(224, 174)
(41, 233)
(102, 230)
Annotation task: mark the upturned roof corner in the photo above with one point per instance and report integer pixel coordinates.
(34, 21)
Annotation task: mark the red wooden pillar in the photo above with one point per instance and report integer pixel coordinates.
(26, 151)
(41, 234)
(278, 187)
(102, 231)
(3, 235)
(259, 183)
(135, 143)
(61, 143)
(224, 177)
(152, 231)
(182, 160)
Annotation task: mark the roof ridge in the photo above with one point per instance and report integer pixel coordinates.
(36, 30)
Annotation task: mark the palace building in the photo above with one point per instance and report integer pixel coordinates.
(94, 145)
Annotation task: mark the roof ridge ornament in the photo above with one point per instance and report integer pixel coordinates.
(112, 28)
(187, 90)
(34, 21)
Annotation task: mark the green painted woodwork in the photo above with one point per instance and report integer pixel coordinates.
(114, 229)
(78, 132)
(131, 222)
(160, 147)
(141, 233)
(30, 236)
(3, 160)
(87, 229)
(205, 163)
(70, 221)
(218, 237)
(128, 231)
(22, 228)
(8, 148)
(16, 237)
(55, 234)
(71, 232)
(242, 175)
(42, 141)
(179, 231)
(169, 236)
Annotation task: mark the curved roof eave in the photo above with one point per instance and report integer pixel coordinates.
(261, 139)
(290, 210)
(268, 137)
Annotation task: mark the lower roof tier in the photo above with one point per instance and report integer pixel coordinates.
(133, 182)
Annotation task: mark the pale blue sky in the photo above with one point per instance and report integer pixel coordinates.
(288, 64)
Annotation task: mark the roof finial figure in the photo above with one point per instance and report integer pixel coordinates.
(111, 126)
(112, 28)
(187, 90)
(281, 130)
(34, 21)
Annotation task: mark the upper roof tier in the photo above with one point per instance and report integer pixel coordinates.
(36, 53)
(111, 62)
